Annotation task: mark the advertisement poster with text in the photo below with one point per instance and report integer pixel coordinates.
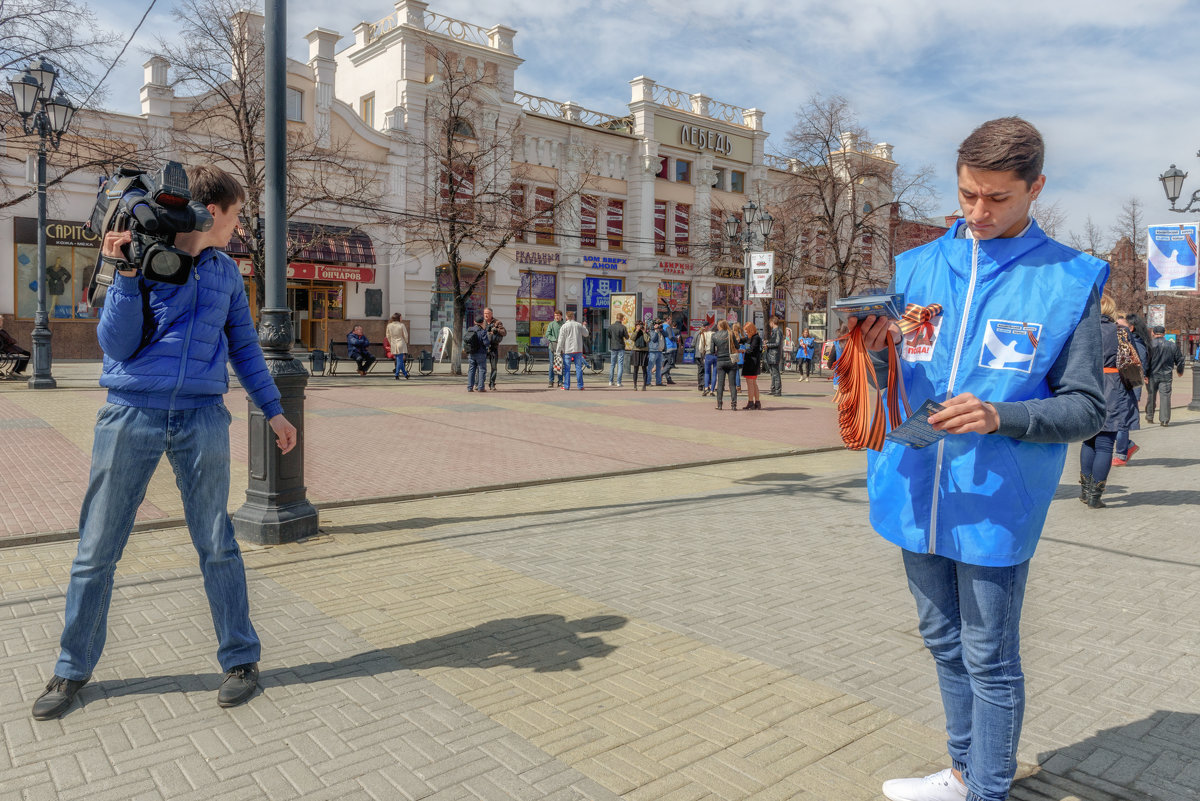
(1171, 257)
(762, 274)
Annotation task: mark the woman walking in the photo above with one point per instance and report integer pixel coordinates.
(397, 337)
(751, 365)
(1095, 454)
(1139, 337)
(725, 350)
(641, 354)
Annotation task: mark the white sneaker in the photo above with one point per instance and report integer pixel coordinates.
(610, 383)
(940, 786)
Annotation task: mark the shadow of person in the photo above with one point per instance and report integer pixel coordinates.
(1153, 759)
(540, 643)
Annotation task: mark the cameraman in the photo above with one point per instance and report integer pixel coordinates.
(165, 386)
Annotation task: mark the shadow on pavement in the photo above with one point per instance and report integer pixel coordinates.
(1154, 758)
(540, 643)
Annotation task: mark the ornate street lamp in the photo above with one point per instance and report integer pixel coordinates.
(47, 115)
(751, 233)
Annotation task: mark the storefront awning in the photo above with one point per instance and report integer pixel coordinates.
(328, 243)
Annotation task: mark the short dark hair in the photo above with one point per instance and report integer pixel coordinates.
(211, 185)
(1007, 144)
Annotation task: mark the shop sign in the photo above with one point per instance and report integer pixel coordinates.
(536, 257)
(59, 233)
(730, 272)
(318, 272)
(705, 139)
(604, 262)
(596, 291)
(678, 267)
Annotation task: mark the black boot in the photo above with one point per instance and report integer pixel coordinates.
(1094, 494)
(1085, 486)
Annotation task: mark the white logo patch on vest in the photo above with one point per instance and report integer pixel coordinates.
(919, 343)
(1009, 345)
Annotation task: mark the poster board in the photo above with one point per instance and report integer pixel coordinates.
(1171, 257)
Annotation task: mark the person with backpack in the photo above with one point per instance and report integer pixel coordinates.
(1164, 357)
(475, 348)
(1131, 348)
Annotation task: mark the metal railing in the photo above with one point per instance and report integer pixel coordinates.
(436, 23)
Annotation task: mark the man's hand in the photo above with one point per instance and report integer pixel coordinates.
(966, 414)
(878, 332)
(285, 433)
(112, 246)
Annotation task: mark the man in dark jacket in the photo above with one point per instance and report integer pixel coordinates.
(165, 395)
(617, 332)
(358, 348)
(774, 352)
(495, 332)
(1164, 357)
(475, 346)
(9, 345)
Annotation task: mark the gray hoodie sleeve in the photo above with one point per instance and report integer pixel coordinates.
(1075, 409)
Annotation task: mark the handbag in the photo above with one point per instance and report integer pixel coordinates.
(1129, 365)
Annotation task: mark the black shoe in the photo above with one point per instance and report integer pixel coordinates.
(240, 683)
(57, 698)
(1094, 494)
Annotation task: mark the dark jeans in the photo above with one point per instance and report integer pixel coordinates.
(1096, 454)
(477, 371)
(726, 371)
(364, 361)
(492, 358)
(805, 367)
(1159, 388)
(668, 363)
(776, 378)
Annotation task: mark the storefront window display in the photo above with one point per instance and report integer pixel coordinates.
(597, 292)
(441, 312)
(535, 307)
(674, 298)
(71, 252)
(727, 301)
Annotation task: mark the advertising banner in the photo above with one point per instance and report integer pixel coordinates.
(762, 274)
(1171, 257)
(1157, 315)
(596, 291)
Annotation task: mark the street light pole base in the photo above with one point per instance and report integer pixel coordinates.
(1194, 406)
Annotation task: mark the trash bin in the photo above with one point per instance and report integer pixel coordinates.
(426, 363)
(512, 361)
(316, 362)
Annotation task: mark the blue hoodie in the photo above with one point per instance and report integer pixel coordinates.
(1010, 308)
(198, 327)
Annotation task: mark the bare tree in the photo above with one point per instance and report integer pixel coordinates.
(1091, 240)
(220, 57)
(1131, 224)
(1050, 217)
(474, 194)
(65, 33)
(837, 202)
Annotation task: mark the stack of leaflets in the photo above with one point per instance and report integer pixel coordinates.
(889, 305)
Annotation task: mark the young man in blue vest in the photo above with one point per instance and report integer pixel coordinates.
(1008, 342)
(166, 390)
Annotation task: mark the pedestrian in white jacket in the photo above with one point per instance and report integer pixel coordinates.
(571, 337)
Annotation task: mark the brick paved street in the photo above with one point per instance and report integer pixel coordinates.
(720, 631)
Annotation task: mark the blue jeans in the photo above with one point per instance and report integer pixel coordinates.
(1096, 454)
(710, 371)
(128, 445)
(656, 366)
(553, 377)
(1121, 448)
(572, 361)
(476, 370)
(970, 619)
(617, 369)
(400, 367)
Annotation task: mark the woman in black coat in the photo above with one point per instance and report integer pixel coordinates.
(726, 352)
(751, 365)
(1095, 454)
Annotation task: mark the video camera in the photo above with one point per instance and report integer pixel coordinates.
(154, 207)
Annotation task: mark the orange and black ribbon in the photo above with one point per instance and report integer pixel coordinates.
(860, 428)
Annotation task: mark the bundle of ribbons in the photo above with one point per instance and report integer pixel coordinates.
(860, 426)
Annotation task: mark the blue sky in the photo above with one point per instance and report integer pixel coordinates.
(1108, 83)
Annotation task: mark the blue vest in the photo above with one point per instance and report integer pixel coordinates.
(1008, 308)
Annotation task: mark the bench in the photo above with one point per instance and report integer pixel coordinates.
(8, 363)
(339, 352)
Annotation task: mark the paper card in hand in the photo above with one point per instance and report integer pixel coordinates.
(890, 305)
(916, 432)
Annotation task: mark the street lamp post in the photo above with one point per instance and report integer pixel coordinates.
(48, 115)
(751, 233)
(1172, 181)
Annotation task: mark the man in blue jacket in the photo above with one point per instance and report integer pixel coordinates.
(1002, 330)
(165, 395)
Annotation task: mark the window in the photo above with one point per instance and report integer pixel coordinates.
(660, 227)
(664, 168)
(587, 221)
(616, 224)
(737, 181)
(458, 183)
(719, 183)
(517, 199)
(683, 171)
(463, 129)
(295, 105)
(543, 206)
(366, 109)
(682, 212)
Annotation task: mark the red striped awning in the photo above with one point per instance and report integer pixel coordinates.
(319, 243)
